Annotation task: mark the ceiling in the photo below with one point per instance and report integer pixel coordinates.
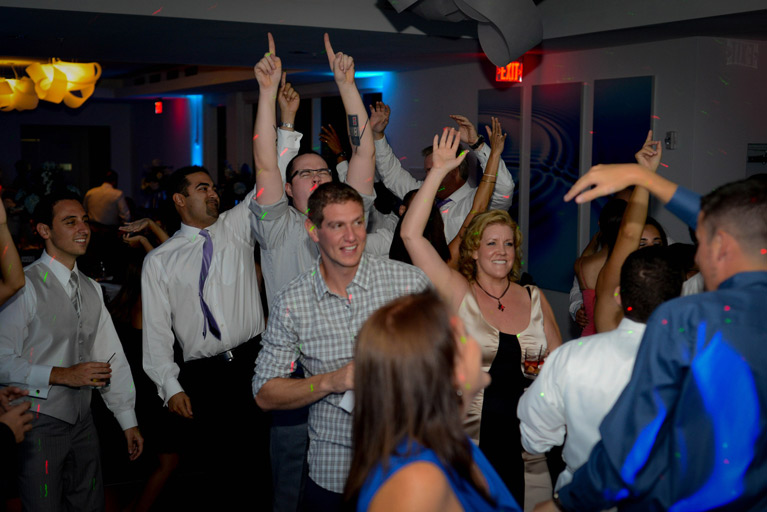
(213, 44)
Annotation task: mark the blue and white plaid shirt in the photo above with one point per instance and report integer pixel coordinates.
(310, 324)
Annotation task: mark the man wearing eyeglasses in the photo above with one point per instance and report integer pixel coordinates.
(286, 249)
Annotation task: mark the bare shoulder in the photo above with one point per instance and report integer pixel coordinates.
(421, 486)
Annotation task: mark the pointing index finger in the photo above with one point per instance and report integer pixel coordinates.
(271, 42)
(329, 49)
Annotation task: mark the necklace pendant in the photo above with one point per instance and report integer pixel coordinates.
(501, 307)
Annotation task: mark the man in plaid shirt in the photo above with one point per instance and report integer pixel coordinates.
(315, 320)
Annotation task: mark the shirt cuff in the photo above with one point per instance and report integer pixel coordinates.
(39, 380)
(685, 204)
(126, 419)
(289, 138)
(269, 211)
(170, 388)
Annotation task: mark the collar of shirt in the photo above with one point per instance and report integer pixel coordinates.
(630, 326)
(745, 279)
(361, 278)
(59, 270)
(459, 194)
(192, 232)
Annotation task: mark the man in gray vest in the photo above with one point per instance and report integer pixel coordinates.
(59, 343)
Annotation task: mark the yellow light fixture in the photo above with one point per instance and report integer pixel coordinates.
(60, 80)
(56, 81)
(17, 94)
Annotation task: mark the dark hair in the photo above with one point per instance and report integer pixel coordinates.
(178, 182)
(648, 279)
(404, 364)
(434, 232)
(683, 257)
(332, 192)
(121, 307)
(654, 223)
(111, 177)
(292, 163)
(610, 222)
(44, 210)
(463, 167)
(740, 209)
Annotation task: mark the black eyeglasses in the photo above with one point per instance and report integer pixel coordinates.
(311, 173)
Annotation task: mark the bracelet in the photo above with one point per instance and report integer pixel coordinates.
(487, 181)
(287, 125)
(491, 175)
(480, 140)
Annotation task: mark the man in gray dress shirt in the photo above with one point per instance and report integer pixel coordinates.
(314, 322)
(58, 342)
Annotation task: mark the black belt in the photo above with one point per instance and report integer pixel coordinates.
(227, 356)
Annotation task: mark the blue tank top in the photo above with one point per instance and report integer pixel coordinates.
(467, 496)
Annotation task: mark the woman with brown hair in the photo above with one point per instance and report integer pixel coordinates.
(416, 372)
(509, 321)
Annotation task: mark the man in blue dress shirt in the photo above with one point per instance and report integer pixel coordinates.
(689, 431)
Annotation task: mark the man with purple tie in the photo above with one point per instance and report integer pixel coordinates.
(200, 288)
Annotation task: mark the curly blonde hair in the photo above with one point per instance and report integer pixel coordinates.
(467, 265)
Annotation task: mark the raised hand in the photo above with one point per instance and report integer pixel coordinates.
(495, 135)
(379, 118)
(444, 149)
(330, 137)
(650, 154)
(269, 70)
(466, 128)
(287, 97)
(341, 65)
(135, 226)
(3, 216)
(606, 179)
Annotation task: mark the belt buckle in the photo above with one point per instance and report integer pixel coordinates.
(227, 356)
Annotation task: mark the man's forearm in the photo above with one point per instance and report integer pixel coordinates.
(283, 394)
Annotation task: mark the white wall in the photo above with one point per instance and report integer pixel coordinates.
(690, 76)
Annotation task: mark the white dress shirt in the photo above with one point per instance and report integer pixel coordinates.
(28, 354)
(170, 295)
(578, 385)
(106, 205)
(458, 204)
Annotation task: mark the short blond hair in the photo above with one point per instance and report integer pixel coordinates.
(467, 265)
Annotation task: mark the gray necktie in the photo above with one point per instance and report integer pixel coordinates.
(74, 285)
(207, 255)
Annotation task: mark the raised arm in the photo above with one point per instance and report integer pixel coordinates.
(607, 313)
(362, 162)
(388, 166)
(484, 190)
(448, 282)
(288, 139)
(10, 263)
(501, 196)
(268, 179)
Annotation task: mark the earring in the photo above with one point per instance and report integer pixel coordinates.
(459, 392)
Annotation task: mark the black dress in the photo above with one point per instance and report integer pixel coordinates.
(499, 437)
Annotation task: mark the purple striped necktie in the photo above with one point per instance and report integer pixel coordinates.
(207, 254)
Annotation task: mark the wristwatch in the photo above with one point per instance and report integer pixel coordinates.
(480, 140)
(287, 125)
